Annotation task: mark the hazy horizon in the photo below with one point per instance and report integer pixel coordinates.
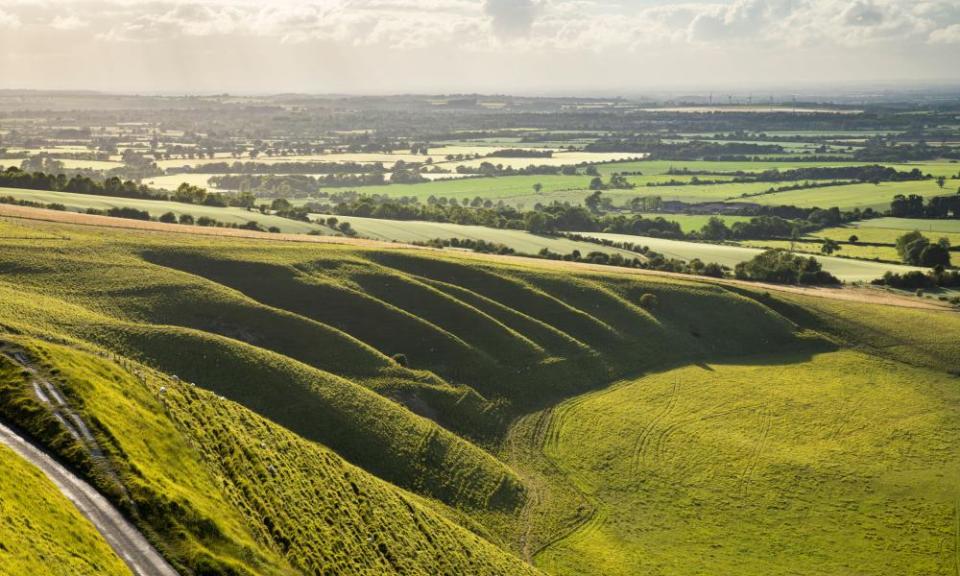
(535, 47)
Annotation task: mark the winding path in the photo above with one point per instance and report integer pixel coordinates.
(128, 543)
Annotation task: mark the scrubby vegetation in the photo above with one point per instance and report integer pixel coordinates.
(784, 267)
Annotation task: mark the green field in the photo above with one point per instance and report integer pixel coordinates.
(518, 190)
(240, 216)
(887, 230)
(502, 188)
(908, 224)
(846, 269)
(694, 222)
(888, 253)
(764, 465)
(42, 532)
(848, 197)
(386, 410)
(419, 231)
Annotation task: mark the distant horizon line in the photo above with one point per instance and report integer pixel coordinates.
(850, 89)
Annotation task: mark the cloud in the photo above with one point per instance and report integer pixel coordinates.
(948, 35)
(8, 20)
(71, 22)
(518, 41)
(510, 18)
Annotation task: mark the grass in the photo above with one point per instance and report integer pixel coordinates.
(848, 197)
(42, 532)
(846, 269)
(859, 251)
(887, 230)
(245, 496)
(82, 202)
(303, 446)
(694, 222)
(419, 231)
(769, 465)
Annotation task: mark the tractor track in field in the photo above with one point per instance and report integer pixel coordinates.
(644, 440)
(754, 461)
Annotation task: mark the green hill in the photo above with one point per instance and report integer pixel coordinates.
(286, 408)
(41, 529)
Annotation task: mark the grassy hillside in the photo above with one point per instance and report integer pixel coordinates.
(419, 231)
(391, 410)
(227, 215)
(42, 532)
(225, 491)
(768, 465)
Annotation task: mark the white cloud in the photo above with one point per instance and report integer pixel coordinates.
(510, 18)
(948, 35)
(71, 22)
(489, 42)
(8, 20)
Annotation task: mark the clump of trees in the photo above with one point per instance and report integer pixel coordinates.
(917, 280)
(916, 249)
(521, 153)
(468, 244)
(657, 148)
(912, 206)
(784, 267)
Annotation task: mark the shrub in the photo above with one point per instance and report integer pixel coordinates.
(783, 267)
(131, 213)
(400, 359)
(168, 217)
(648, 301)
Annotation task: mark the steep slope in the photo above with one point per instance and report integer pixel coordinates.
(389, 410)
(42, 532)
(224, 491)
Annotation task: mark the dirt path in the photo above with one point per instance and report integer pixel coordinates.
(120, 534)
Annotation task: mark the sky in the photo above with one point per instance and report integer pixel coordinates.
(489, 46)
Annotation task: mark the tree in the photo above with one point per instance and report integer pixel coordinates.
(539, 222)
(280, 205)
(934, 255)
(168, 217)
(596, 183)
(537, 188)
(781, 266)
(829, 246)
(593, 201)
(941, 181)
(715, 229)
(853, 239)
(907, 206)
(911, 245)
(794, 236)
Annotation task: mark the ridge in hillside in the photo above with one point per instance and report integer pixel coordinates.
(224, 491)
